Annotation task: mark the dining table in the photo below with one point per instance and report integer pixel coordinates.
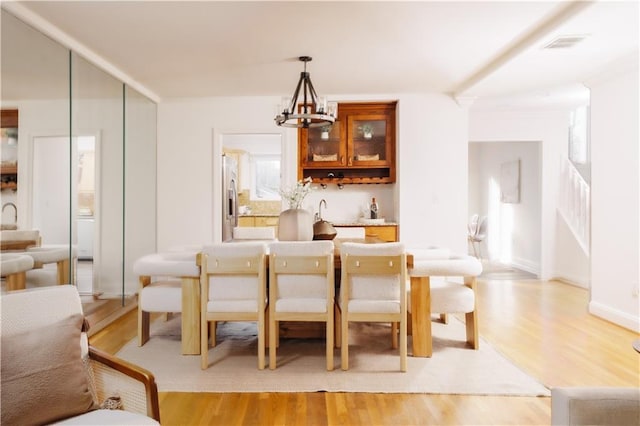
(421, 308)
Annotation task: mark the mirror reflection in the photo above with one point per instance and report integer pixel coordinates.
(64, 161)
(97, 108)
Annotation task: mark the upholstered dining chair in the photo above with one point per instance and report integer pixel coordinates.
(373, 289)
(445, 297)
(301, 288)
(233, 288)
(478, 236)
(472, 226)
(163, 278)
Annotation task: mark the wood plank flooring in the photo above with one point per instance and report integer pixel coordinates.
(543, 327)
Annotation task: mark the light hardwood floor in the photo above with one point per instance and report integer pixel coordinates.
(543, 327)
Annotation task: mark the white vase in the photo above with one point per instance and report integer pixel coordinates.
(295, 225)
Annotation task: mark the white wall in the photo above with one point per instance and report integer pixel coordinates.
(433, 171)
(548, 127)
(572, 264)
(429, 201)
(615, 195)
(513, 232)
(189, 162)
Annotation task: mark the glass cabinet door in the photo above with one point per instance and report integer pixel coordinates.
(368, 137)
(358, 148)
(325, 146)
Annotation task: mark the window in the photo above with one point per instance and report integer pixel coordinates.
(265, 177)
(579, 136)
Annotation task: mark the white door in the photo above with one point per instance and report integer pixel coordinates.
(63, 208)
(51, 189)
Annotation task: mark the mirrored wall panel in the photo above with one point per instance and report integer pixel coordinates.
(80, 166)
(35, 84)
(97, 107)
(139, 181)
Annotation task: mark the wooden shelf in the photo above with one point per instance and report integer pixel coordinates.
(9, 170)
(8, 185)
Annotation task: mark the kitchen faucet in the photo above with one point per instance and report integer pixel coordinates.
(15, 216)
(318, 215)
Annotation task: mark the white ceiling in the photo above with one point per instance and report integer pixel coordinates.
(478, 49)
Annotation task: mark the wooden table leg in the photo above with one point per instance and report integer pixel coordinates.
(63, 272)
(421, 316)
(190, 315)
(17, 281)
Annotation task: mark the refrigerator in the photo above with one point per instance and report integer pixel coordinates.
(230, 196)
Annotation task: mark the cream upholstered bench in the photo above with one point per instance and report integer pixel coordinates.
(170, 282)
(14, 267)
(442, 298)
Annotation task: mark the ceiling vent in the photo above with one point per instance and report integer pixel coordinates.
(565, 42)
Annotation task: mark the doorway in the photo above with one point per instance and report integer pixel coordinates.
(63, 204)
(514, 218)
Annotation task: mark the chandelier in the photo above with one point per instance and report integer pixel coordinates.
(314, 110)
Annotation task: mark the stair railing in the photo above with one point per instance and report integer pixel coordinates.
(575, 204)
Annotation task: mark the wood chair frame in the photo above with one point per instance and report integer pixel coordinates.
(301, 265)
(212, 267)
(374, 266)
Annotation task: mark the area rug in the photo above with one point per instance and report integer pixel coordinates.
(373, 365)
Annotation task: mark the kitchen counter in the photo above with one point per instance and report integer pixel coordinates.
(386, 231)
(259, 219)
(349, 224)
(354, 223)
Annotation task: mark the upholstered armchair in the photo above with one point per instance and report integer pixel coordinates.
(51, 374)
(611, 406)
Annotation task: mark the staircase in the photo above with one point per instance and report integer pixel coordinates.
(574, 204)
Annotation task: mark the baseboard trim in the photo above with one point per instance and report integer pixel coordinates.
(615, 316)
(526, 266)
(104, 322)
(573, 282)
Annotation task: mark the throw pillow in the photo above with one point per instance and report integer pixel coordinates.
(42, 374)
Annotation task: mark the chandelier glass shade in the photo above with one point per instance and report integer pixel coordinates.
(314, 111)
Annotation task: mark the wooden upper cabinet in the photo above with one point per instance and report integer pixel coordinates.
(360, 147)
(9, 118)
(9, 169)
